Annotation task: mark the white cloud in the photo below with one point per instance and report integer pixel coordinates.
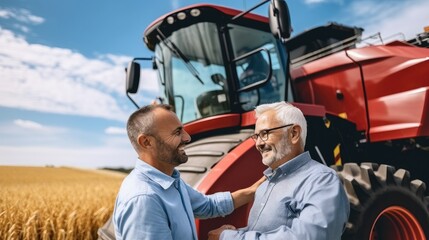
(390, 17)
(4, 13)
(21, 15)
(115, 131)
(28, 124)
(148, 76)
(108, 156)
(27, 142)
(115, 59)
(22, 28)
(24, 132)
(58, 80)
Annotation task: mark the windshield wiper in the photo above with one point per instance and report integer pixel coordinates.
(176, 51)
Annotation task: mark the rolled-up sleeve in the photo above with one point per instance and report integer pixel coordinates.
(209, 206)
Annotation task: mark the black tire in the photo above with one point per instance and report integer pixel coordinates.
(384, 203)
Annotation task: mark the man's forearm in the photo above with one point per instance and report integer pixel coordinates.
(242, 196)
(246, 195)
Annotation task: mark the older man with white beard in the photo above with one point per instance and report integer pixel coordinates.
(302, 198)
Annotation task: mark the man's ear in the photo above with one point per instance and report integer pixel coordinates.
(296, 134)
(144, 141)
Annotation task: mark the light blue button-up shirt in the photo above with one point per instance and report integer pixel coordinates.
(153, 205)
(302, 199)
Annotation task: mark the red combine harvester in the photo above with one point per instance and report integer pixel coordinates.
(366, 108)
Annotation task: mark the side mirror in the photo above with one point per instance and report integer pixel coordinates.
(133, 77)
(279, 19)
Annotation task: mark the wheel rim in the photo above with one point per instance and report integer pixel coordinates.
(396, 223)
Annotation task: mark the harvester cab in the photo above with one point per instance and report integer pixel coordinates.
(213, 60)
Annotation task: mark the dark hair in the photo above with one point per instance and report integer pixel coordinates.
(141, 122)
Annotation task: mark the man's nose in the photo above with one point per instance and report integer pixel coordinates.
(186, 137)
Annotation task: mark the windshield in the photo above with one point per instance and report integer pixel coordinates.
(194, 78)
(255, 67)
(194, 99)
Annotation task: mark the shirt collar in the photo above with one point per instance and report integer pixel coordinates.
(155, 175)
(288, 167)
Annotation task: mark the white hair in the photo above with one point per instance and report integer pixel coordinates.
(286, 113)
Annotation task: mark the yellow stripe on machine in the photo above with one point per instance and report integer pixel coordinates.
(327, 123)
(337, 155)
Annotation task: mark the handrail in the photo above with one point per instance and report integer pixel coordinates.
(333, 48)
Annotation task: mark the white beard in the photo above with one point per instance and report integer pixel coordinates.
(282, 149)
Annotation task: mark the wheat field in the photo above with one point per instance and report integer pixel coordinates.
(55, 203)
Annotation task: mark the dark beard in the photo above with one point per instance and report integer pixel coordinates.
(170, 154)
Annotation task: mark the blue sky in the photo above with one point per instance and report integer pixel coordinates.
(62, 99)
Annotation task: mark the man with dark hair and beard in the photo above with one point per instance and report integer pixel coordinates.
(302, 199)
(153, 202)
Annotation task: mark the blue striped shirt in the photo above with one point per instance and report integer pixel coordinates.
(153, 205)
(302, 199)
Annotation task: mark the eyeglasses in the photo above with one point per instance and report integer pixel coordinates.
(263, 134)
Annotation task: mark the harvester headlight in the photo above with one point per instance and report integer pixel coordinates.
(170, 20)
(181, 15)
(195, 12)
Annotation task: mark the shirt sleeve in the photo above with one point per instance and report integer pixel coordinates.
(323, 214)
(209, 206)
(143, 217)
